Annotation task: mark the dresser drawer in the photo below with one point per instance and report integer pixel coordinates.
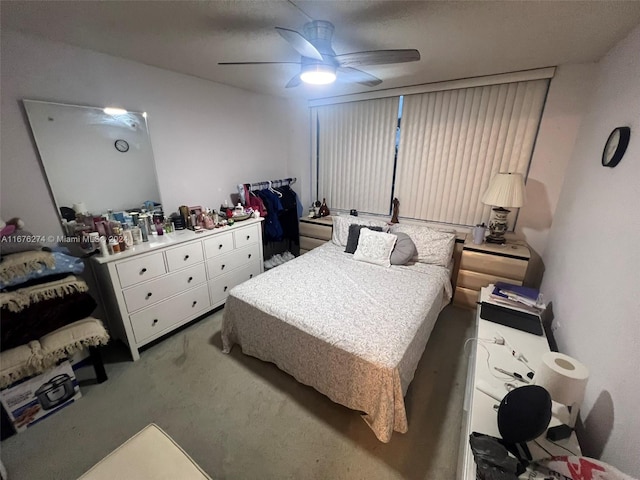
(159, 289)
(246, 236)
(307, 243)
(164, 315)
(222, 264)
(219, 289)
(465, 297)
(313, 230)
(476, 280)
(508, 267)
(138, 270)
(219, 244)
(184, 256)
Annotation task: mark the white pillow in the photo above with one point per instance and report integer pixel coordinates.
(375, 247)
(341, 224)
(434, 246)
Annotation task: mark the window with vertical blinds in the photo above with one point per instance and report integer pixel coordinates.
(450, 144)
(453, 142)
(355, 149)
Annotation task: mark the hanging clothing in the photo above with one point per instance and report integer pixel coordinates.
(272, 228)
(288, 216)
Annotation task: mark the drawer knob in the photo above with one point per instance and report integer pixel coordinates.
(248, 237)
(249, 256)
(149, 295)
(143, 271)
(155, 320)
(189, 279)
(186, 257)
(225, 289)
(219, 246)
(194, 303)
(251, 275)
(222, 266)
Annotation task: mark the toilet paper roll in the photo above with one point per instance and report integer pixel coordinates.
(565, 378)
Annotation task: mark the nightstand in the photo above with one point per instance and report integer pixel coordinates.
(314, 232)
(488, 263)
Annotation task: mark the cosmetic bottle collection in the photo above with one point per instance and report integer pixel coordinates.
(116, 232)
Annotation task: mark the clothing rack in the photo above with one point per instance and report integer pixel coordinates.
(272, 183)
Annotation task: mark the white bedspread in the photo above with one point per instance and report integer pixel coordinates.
(352, 330)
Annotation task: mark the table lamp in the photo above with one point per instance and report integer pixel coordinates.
(505, 190)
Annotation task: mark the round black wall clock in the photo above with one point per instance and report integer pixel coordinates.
(615, 147)
(122, 146)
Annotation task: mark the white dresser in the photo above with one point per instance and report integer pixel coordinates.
(157, 286)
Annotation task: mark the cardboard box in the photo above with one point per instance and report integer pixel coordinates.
(34, 399)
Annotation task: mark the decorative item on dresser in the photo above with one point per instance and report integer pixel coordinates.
(156, 287)
(488, 263)
(314, 232)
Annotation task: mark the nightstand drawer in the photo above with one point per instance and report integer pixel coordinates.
(307, 243)
(508, 267)
(313, 230)
(466, 298)
(476, 280)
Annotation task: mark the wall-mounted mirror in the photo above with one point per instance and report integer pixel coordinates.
(99, 157)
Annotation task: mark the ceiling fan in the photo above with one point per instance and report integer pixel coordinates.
(319, 63)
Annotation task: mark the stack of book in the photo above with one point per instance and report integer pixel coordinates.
(516, 296)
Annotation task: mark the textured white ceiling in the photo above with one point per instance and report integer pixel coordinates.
(456, 39)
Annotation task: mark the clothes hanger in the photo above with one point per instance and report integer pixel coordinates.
(273, 190)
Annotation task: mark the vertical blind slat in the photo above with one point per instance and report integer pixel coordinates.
(356, 144)
(452, 143)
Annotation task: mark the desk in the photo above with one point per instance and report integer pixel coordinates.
(478, 412)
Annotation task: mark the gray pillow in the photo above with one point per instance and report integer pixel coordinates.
(404, 250)
(354, 236)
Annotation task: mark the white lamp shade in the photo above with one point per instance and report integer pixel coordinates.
(505, 190)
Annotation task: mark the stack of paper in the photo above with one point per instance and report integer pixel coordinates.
(526, 298)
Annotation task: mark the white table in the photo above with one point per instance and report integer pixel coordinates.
(479, 414)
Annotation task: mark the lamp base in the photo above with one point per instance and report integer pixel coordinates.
(498, 226)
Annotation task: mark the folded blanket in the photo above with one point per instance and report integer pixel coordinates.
(38, 356)
(19, 268)
(41, 318)
(21, 264)
(17, 300)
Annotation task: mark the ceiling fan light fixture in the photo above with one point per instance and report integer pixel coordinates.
(318, 74)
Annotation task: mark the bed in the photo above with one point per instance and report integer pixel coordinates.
(354, 331)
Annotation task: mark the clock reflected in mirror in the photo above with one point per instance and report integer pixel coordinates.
(616, 146)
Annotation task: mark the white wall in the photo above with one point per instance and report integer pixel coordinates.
(593, 263)
(564, 110)
(206, 137)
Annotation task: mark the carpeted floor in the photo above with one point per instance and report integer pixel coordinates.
(241, 418)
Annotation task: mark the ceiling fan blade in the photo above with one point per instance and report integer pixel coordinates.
(258, 63)
(354, 75)
(303, 46)
(377, 57)
(294, 82)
